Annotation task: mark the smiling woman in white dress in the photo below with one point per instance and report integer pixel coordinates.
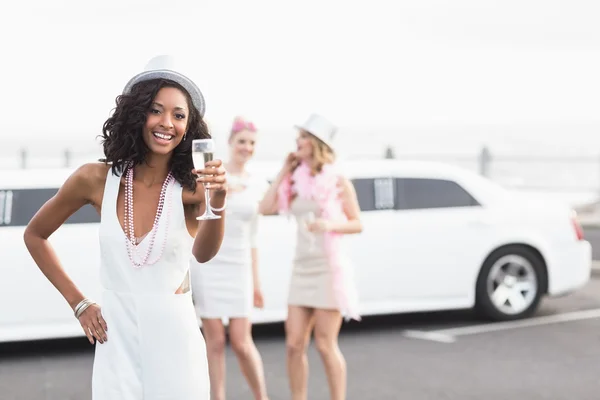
(148, 344)
(228, 286)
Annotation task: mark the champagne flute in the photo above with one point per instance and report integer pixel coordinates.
(309, 219)
(202, 152)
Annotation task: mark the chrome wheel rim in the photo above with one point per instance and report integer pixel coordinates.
(512, 284)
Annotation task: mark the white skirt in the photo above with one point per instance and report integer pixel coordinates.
(222, 289)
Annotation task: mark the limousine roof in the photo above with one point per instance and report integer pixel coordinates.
(484, 189)
(54, 177)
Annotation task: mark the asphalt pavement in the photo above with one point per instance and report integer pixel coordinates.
(553, 356)
(592, 234)
(552, 359)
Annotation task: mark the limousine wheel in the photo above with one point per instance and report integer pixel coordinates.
(510, 284)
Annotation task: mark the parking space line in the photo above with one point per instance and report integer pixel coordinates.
(533, 321)
(450, 335)
(433, 336)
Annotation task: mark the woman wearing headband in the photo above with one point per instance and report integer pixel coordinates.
(146, 192)
(229, 286)
(322, 289)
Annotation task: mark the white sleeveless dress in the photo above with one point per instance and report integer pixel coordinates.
(155, 350)
(223, 287)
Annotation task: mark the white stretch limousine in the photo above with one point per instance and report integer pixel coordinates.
(435, 237)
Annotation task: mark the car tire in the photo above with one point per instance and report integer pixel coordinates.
(510, 284)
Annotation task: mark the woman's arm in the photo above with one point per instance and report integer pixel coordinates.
(209, 235)
(255, 273)
(258, 298)
(351, 209)
(268, 205)
(79, 189)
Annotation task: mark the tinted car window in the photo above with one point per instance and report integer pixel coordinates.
(415, 193)
(364, 193)
(18, 206)
(409, 193)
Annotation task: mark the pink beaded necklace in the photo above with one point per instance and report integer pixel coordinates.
(130, 239)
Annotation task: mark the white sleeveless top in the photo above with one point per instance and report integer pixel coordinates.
(117, 272)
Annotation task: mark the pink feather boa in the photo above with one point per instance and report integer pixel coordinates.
(324, 189)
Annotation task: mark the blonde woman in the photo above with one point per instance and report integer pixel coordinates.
(229, 286)
(321, 290)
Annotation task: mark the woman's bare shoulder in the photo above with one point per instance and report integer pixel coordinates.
(91, 175)
(345, 187)
(88, 182)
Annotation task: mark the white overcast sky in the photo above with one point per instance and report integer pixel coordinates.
(369, 63)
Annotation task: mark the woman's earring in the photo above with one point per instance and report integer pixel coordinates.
(184, 135)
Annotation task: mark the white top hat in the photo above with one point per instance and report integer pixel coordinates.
(321, 128)
(164, 67)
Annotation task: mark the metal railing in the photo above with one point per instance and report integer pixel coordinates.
(554, 173)
(542, 172)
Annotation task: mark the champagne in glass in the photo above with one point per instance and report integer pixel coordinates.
(202, 152)
(309, 219)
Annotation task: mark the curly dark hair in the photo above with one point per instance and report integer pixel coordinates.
(122, 132)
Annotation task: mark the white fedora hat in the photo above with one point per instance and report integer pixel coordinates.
(164, 67)
(321, 128)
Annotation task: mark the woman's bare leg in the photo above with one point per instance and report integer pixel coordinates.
(298, 326)
(327, 328)
(251, 365)
(214, 335)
